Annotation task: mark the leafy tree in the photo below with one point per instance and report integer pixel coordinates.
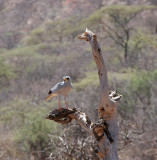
(29, 129)
(116, 21)
(119, 28)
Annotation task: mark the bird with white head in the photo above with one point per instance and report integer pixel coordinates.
(61, 89)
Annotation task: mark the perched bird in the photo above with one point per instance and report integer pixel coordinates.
(61, 89)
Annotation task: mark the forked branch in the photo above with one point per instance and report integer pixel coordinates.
(97, 130)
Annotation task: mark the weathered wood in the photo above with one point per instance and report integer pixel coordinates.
(97, 130)
(107, 105)
(61, 116)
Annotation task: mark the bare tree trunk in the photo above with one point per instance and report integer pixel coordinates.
(105, 130)
(107, 109)
(126, 53)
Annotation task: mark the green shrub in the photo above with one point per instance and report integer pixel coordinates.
(33, 134)
(26, 122)
(6, 73)
(30, 63)
(137, 90)
(36, 36)
(141, 84)
(154, 75)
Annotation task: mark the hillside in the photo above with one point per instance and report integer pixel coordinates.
(39, 45)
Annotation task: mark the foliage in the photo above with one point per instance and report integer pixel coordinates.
(125, 11)
(142, 40)
(123, 14)
(6, 73)
(88, 80)
(10, 39)
(30, 63)
(48, 50)
(116, 21)
(138, 90)
(91, 79)
(34, 132)
(26, 120)
(140, 83)
(36, 37)
(55, 30)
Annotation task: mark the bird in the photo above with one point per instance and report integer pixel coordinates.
(61, 89)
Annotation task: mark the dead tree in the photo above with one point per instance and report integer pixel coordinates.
(105, 130)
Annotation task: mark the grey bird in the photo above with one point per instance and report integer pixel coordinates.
(61, 89)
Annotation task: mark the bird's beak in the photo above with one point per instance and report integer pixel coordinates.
(66, 80)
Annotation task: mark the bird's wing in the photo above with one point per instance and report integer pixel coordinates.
(57, 88)
(55, 91)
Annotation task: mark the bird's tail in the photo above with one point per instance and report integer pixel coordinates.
(50, 96)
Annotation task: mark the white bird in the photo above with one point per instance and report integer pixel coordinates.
(61, 89)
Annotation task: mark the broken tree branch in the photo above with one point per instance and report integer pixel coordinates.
(97, 130)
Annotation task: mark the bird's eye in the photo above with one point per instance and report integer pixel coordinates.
(68, 78)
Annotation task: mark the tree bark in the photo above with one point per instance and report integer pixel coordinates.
(107, 108)
(105, 130)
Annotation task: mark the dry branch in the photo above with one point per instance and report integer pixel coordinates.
(66, 115)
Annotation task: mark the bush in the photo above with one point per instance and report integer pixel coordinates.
(137, 91)
(141, 85)
(6, 73)
(29, 128)
(36, 36)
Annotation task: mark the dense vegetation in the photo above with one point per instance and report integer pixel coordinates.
(36, 55)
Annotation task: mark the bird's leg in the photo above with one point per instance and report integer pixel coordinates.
(66, 102)
(59, 103)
